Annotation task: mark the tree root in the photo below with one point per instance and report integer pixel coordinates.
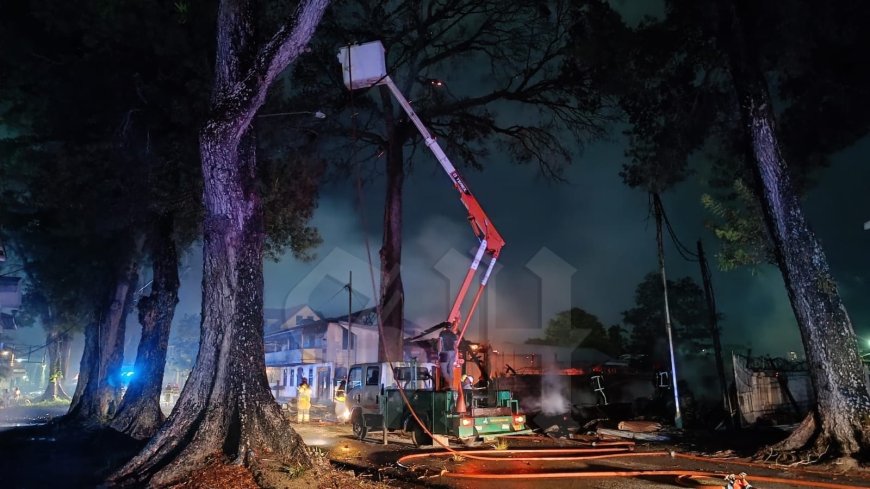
(261, 440)
(806, 445)
(791, 458)
(140, 421)
(797, 448)
(54, 392)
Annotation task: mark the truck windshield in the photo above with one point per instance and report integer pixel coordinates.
(405, 374)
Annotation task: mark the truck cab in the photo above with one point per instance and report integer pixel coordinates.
(367, 384)
(403, 398)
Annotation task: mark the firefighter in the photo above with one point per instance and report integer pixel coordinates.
(303, 401)
(446, 353)
(341, 412)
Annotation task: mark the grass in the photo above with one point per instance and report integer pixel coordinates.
(51, 403)
(501, 444)
(295, 471)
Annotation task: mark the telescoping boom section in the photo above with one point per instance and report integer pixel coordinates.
(364, 66)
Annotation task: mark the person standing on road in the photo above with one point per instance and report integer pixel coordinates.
(303, 401)
(341, 413)
(447, 353)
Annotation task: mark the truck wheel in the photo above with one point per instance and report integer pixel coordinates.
(358, 423)
(418, 436)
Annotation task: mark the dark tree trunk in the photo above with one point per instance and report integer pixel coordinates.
(836, 370)
(65, 350)
(713, 321)
(392, 306)
(56, 343)
(139, 414)
(226, 407)
(98, 388)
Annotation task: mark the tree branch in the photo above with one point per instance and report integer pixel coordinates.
(239, 106)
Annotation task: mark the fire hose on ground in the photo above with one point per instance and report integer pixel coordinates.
(686, 478)
(745, 463)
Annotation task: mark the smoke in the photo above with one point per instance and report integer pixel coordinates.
(700, 375)
(553, 399)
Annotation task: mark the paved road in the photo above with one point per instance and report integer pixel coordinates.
(11, 417)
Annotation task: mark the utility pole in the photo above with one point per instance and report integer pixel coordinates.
(349, 320)
(657, 206)
(714, 330)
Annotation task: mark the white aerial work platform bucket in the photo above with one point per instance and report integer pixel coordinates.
(362, 65)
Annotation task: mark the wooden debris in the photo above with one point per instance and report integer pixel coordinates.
(639, 426)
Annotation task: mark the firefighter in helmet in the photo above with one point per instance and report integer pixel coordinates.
(303, 401)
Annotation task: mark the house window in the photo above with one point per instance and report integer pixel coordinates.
(310, 341)
(344, 334)
(300, 319)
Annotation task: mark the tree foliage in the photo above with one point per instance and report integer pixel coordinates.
(524, 94)
(681, 104)
(688, 313)
(576, 327)
(735, 222)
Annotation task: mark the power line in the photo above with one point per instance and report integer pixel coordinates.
(684, 251)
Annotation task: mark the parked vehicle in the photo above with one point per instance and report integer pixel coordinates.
(376, 402)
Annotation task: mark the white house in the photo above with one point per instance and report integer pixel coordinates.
(318, 350)
(300, 344)
(280, 319)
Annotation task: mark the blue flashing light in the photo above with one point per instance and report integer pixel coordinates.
(127, 374)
